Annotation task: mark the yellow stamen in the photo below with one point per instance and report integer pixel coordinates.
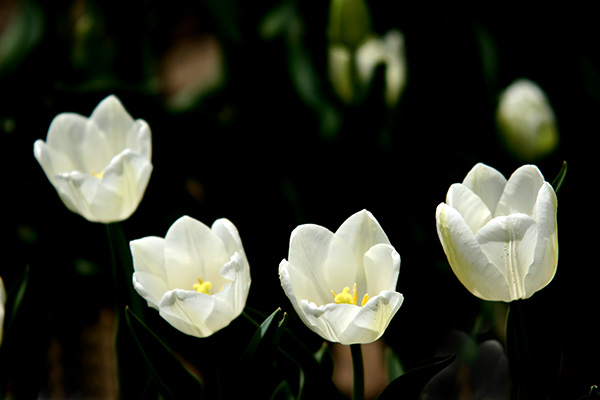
(346, 298)
(202, 287)
(364, 300)
(98, 175)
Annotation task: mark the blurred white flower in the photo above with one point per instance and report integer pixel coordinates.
(197, 277)
(351, 71)
(2, 302)
(526, 121)
(100, 166)
(500, 236)
(389, 52)
(343, 284)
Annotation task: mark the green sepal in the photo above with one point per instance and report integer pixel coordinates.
(412, 383)
(558, 181)
(173, 378)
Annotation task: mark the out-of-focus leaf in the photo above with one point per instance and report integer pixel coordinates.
(14, 298)
(558, 181)
(410, 384)
(20, 35)
(174, 379)
(395, 368)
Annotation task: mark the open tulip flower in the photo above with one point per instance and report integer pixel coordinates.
(197, 277)
(343, 284)
(500, 236)
(100, 166)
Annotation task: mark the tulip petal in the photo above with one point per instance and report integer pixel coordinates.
(288, 287)
(77, 190)
(319, 261)
(382, 266)
(543, 268)
(236, 291)
(50, 160)
(111, 118)
(139, 140)
(329, 320)
(229, 235)
(362, 231)
(150, 287)
(84, 145)
(521, 191)
(469, 263)
(150, 277)
(194, 313)
(487, 183)
(122, 187)
(371, 320)
(509, 243)
(193, 251)
(473, 209)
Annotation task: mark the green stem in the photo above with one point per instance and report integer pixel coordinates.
(122, 264)
(359, 372)
(124, 295)
(518, 350)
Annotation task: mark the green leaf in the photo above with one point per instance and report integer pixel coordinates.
(263, 338)
(395, 368)
(410, 384)
(316, 373)
(14, 298)
(174, 379)
(558, 181)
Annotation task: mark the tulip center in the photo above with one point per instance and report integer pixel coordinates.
(346, 298)
(203, 286)
(98, 175)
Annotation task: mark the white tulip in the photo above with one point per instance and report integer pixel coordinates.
(500, 236)
(526, 120)
(2, 302)
(197, 277)
(100, 166)
(343, 284)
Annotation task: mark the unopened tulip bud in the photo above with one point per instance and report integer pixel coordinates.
(349, 22)
(526, 121)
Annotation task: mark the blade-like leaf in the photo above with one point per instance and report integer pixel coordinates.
(173, 378)
(14, 298)
(558, 181)
(410, 384)
(263, 337)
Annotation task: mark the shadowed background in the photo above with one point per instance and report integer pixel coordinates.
(246, 125)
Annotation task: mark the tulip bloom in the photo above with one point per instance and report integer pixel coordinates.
(343, 284)
(500, 236)
(100, 166)
(197, 277)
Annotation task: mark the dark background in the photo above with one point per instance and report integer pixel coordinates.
(258, 151)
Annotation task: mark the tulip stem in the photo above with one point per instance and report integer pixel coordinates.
(518, 349)
(359, 372)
